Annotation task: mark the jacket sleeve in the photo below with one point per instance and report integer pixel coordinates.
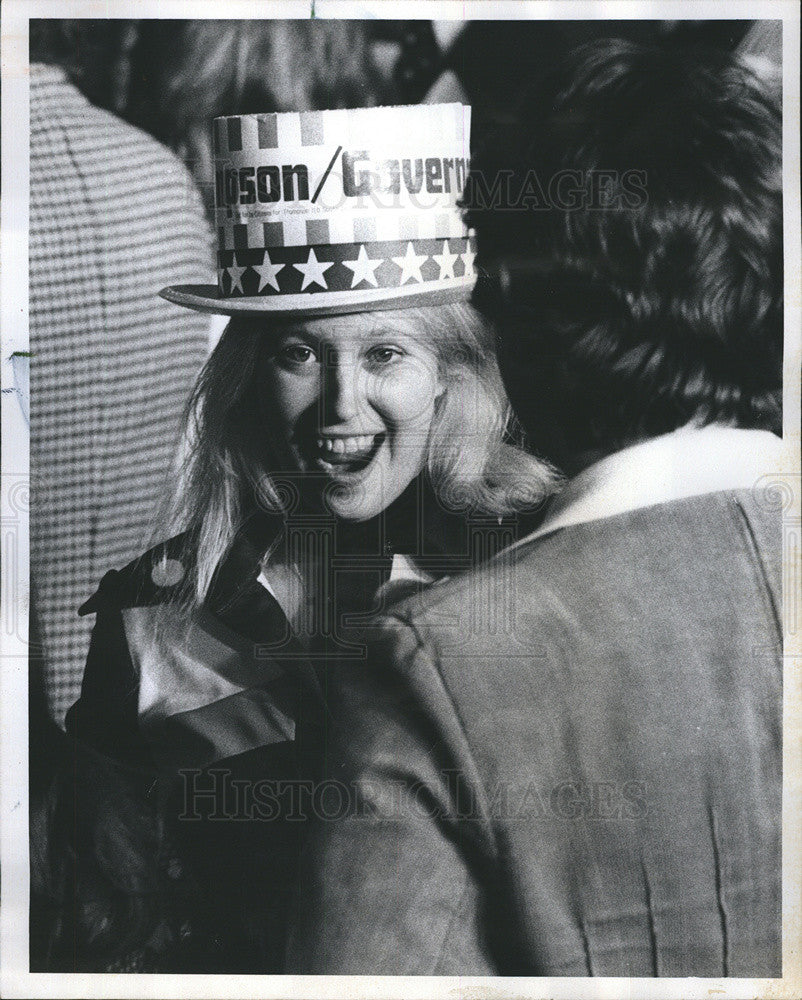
(394, 876)
(105, 717)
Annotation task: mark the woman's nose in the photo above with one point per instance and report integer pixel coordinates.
(342, 391)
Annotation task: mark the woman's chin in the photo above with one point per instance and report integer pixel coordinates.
(366, 495)
(361, 489)
(356, 501)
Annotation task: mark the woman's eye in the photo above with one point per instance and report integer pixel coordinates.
(297, 354)
(383, 355)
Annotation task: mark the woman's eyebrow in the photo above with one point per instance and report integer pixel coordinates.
(384, 332)
(304, 335)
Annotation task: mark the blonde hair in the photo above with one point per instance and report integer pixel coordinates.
(475, 458)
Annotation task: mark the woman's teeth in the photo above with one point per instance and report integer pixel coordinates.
(346, 445)
(346, 455)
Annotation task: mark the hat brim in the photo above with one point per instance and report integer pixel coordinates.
(207, 298)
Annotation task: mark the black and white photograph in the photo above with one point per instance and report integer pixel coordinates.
(401, 500)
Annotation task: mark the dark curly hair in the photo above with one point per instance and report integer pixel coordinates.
(640, 227)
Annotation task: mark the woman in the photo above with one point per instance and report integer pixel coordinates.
(345, 442)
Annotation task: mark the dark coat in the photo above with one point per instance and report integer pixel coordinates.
(218, 710)
(243, 860)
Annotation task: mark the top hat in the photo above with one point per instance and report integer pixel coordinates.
(325, 212)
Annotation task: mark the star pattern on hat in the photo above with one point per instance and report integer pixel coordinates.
(313, 271)
(445, 261)
(236, 273)
(363, 268)
(267, 272)
(379, 264)
(410, 264)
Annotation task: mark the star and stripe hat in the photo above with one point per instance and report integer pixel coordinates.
(324, 212)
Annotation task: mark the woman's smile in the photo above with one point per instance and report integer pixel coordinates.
(342, 445)
(346, 455)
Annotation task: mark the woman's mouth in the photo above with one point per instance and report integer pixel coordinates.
(344, 455)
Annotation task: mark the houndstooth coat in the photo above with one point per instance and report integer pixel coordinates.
(114, 217)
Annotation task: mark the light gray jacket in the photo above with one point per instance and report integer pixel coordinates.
(567, 763)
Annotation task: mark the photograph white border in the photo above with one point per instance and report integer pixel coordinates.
(15, 980)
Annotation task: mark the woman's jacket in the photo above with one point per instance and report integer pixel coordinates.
(228, 709)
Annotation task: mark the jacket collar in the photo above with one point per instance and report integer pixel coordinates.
(244, 606)
(235, 594)
(688, 462)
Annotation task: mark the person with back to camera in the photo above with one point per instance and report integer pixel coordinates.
(348, 439)
(597, 791)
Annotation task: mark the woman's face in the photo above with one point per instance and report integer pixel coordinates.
(350, 401)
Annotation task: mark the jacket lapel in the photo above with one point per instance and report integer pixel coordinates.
(239, 602)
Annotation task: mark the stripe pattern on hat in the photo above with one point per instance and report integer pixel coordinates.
(341, 126)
